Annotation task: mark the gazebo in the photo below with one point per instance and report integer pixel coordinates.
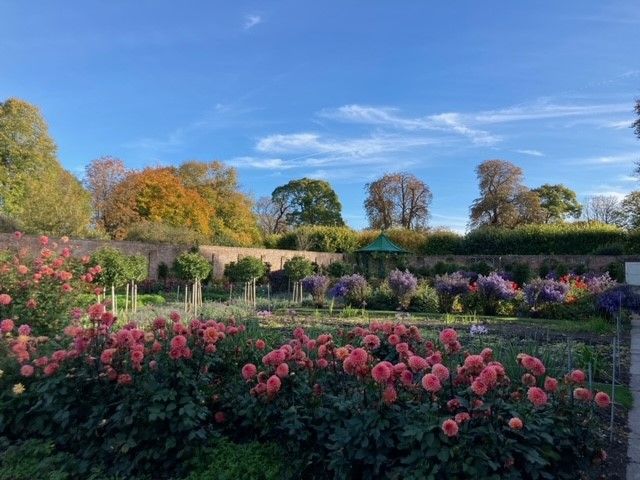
(381, 250)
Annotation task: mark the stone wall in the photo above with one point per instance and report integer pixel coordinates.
(221, 256)
(164, 253)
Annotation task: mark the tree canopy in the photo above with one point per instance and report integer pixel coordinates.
(558, 202)
(398, 200)
(309, 202)
(155, 195)
(35, 191)
(504, 201)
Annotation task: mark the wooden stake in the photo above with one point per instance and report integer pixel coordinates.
(126, 298)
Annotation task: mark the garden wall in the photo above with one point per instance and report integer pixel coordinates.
(221, 256)
(165, 253)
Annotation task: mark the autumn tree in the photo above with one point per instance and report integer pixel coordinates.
(232, 221)
(35, 190)
(398, 200)
(155, 195)
(271, 216)
(309, 202)
(558, 202)
(603, 209)
(102, 176)
(504, 201)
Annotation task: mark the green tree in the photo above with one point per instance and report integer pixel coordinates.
(245, 269)
(192, 266)
(26, 152)
(558, 202)
(116, 269)
(504, 201)
(309, 202)
(630, 210)
(297, 268)
(34, 188)
(56, 204)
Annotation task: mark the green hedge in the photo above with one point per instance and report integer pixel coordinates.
(552, 239)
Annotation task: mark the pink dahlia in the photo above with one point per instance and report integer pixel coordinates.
(417, 363)
(431, 383)
(582, 394)
(577, 376)
(381, 372)
(515, 423)
(371, 341)
(537, 396)
(550, 384)
(6, 325)
(602, 400)
(448, 336)
(440, 371)
(273, 384)
(5, 299)
(282, 370)
(450, 427)
(249, 371)
(26, 370)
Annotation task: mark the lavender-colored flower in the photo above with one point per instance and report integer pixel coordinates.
(317, 286)
(452, 284)
(545, 291)
(478, 330)
(353, 288)
(620, 297)
(597, 284)
(493, 287)
(404, 285)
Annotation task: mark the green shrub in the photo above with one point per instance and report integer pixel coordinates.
(616, 271)
(442, 242)
(610, 249)
(382, 298)
(425, 300)
(115, 267)
(549, 239)
(339, 269)
(35, 459)
(442, 268)
(297, 268)
(521, 272)
(225, 460)
(481, 268)
(191, 266)
(245, 269)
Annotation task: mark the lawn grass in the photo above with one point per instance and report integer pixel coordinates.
(595, 325)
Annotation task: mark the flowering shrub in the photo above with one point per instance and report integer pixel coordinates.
(611, 301)
(391, 404)
(450, 286)
(545, 291)
(597, 284)
(143, 395)
(404, 285)
(42, 290)
(317, 286)
(493, 289)
(354, 289)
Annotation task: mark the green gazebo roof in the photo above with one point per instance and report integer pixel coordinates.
(382, 244)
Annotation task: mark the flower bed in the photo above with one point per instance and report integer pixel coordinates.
(384, 401)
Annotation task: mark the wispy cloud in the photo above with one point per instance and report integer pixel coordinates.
(314, 144)
(251, 21)
(614, 159)
(544, 109)
(261, 163)
(534, 153)
(389, 117)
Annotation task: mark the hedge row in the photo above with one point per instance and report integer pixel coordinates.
(552, 239)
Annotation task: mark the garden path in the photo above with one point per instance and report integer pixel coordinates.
(633, 467)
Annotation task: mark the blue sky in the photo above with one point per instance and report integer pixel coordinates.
(339, 90)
